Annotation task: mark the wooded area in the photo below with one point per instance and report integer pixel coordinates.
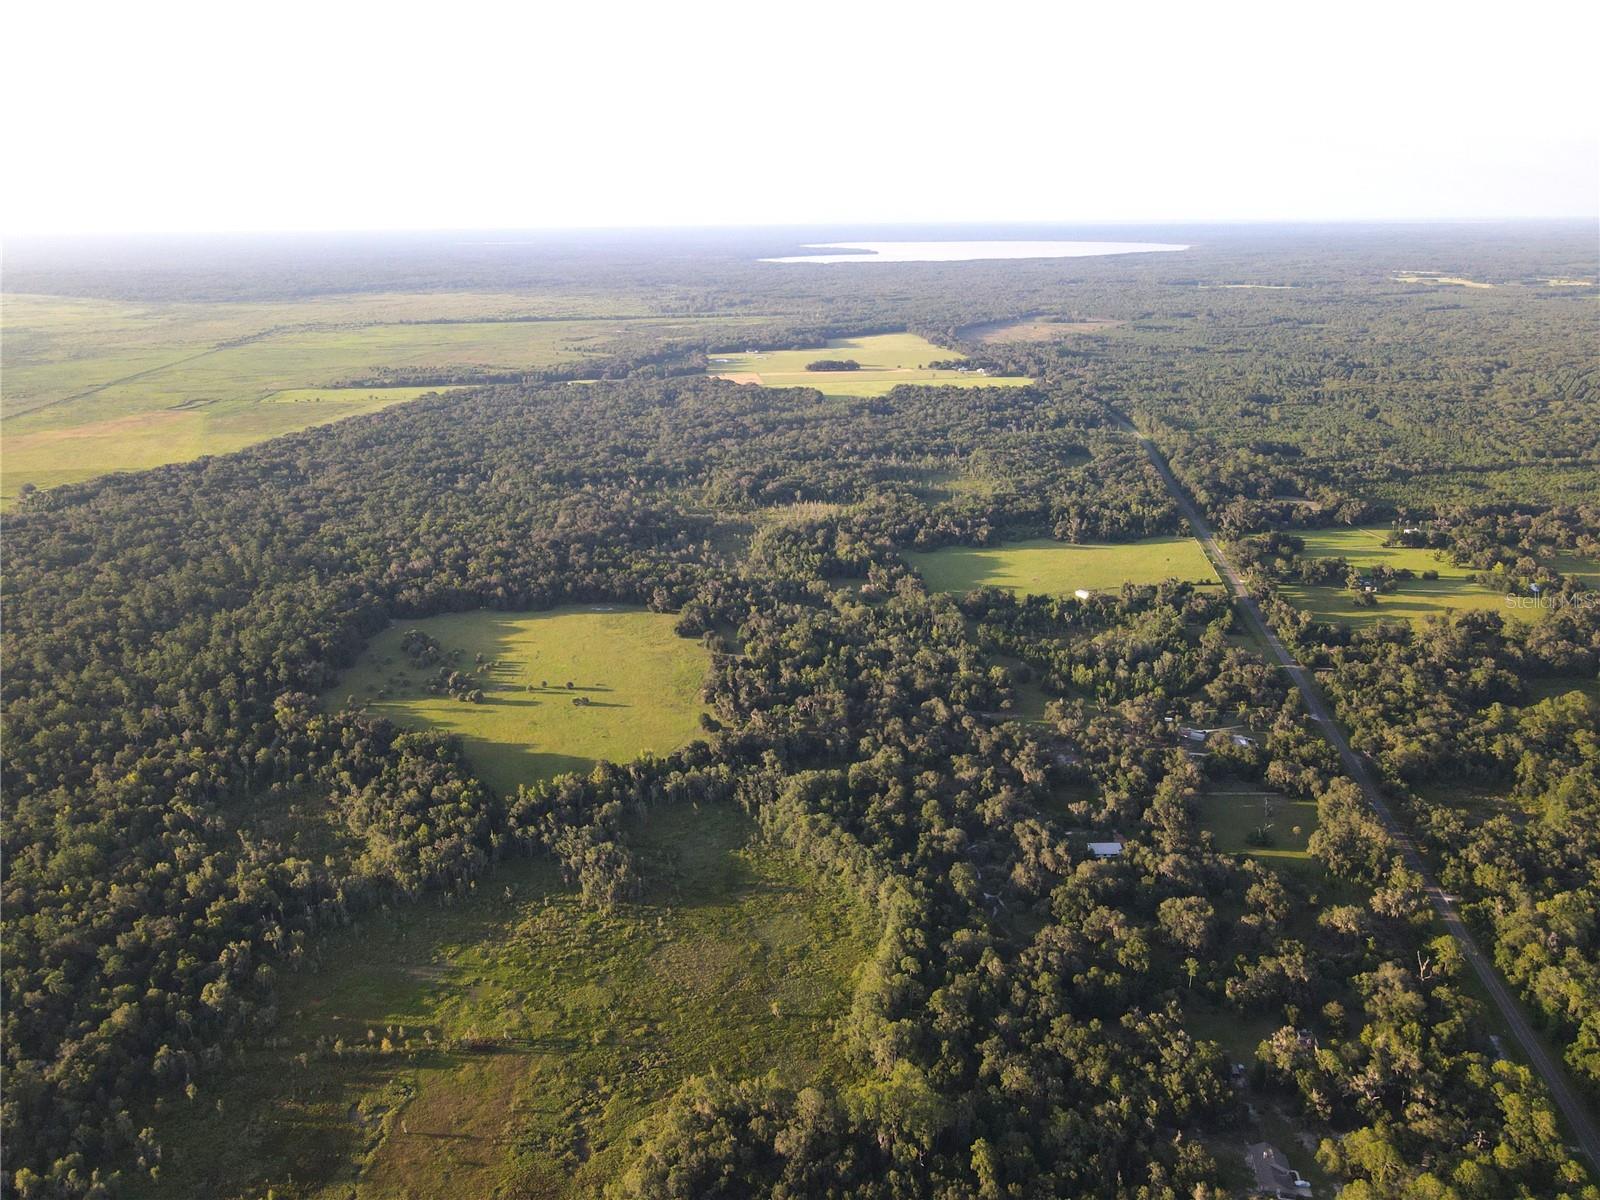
(184, 823)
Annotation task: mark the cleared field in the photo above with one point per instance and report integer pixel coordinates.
(887, 361)
(46, 457)
(1036, 329)
(1578, 567)
(96, 386)
(1435, 278)
(1233, 814)
(380, 396)
(1049, 567)
(635, 687)
(1453, 591)
(506, 1045)
(57, 347)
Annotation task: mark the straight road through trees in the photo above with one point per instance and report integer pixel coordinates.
(1572, 1108)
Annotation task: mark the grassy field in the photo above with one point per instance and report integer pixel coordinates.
(1231, 813)
(641, 682)
(47, 457)
(526, 1035)
(95, 386)
(1586, 569)
(887, 361)
(1050, 567)
(1453, 591)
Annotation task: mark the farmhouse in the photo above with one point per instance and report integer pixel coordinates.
(1106, 849)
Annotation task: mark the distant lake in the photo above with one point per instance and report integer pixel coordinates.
(902, 252)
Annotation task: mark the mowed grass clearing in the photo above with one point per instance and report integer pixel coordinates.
(1454, 591)
(887, 361)
(1235, 810)
(640, 683)
(508, 1044)
(1043, 566)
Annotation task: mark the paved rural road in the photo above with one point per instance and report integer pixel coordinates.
(1572, 1108)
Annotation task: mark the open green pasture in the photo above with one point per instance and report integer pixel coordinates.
(637, 680)
(1578, 567)
(1453, 591)
(887, 361)
(509, 1044)
(95, 386)
(1047, 567)
(140, 440)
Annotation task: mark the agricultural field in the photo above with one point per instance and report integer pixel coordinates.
(46, 457)
(510, 1043)
(1454, 590)
(1048, 567)
(887, 361)
(635, 687)
(94, 386)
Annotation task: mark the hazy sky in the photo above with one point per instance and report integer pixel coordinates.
(238, 116)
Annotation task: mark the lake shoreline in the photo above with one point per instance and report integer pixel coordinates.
(953, 251)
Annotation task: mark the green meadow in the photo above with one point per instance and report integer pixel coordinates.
(1047, 567)
(1453, 591)
(1578, 567)
(1234, 813)
(140, 440)
(887, 361)
(93, 386)
(509, 1044)
(637, 680)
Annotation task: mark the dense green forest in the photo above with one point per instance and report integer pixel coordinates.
(185, 825)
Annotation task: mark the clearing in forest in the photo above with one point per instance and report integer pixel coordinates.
(1454, 590)
(885, 360)
(1036, 329)
(1435, 278)
(1245, 818)
(1046, 567)
(635, 686)
(510, 1043)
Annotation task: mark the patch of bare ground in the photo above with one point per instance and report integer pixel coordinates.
(1036, 329)
(1433, 277)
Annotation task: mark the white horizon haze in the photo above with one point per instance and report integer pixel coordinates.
(298, 117)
